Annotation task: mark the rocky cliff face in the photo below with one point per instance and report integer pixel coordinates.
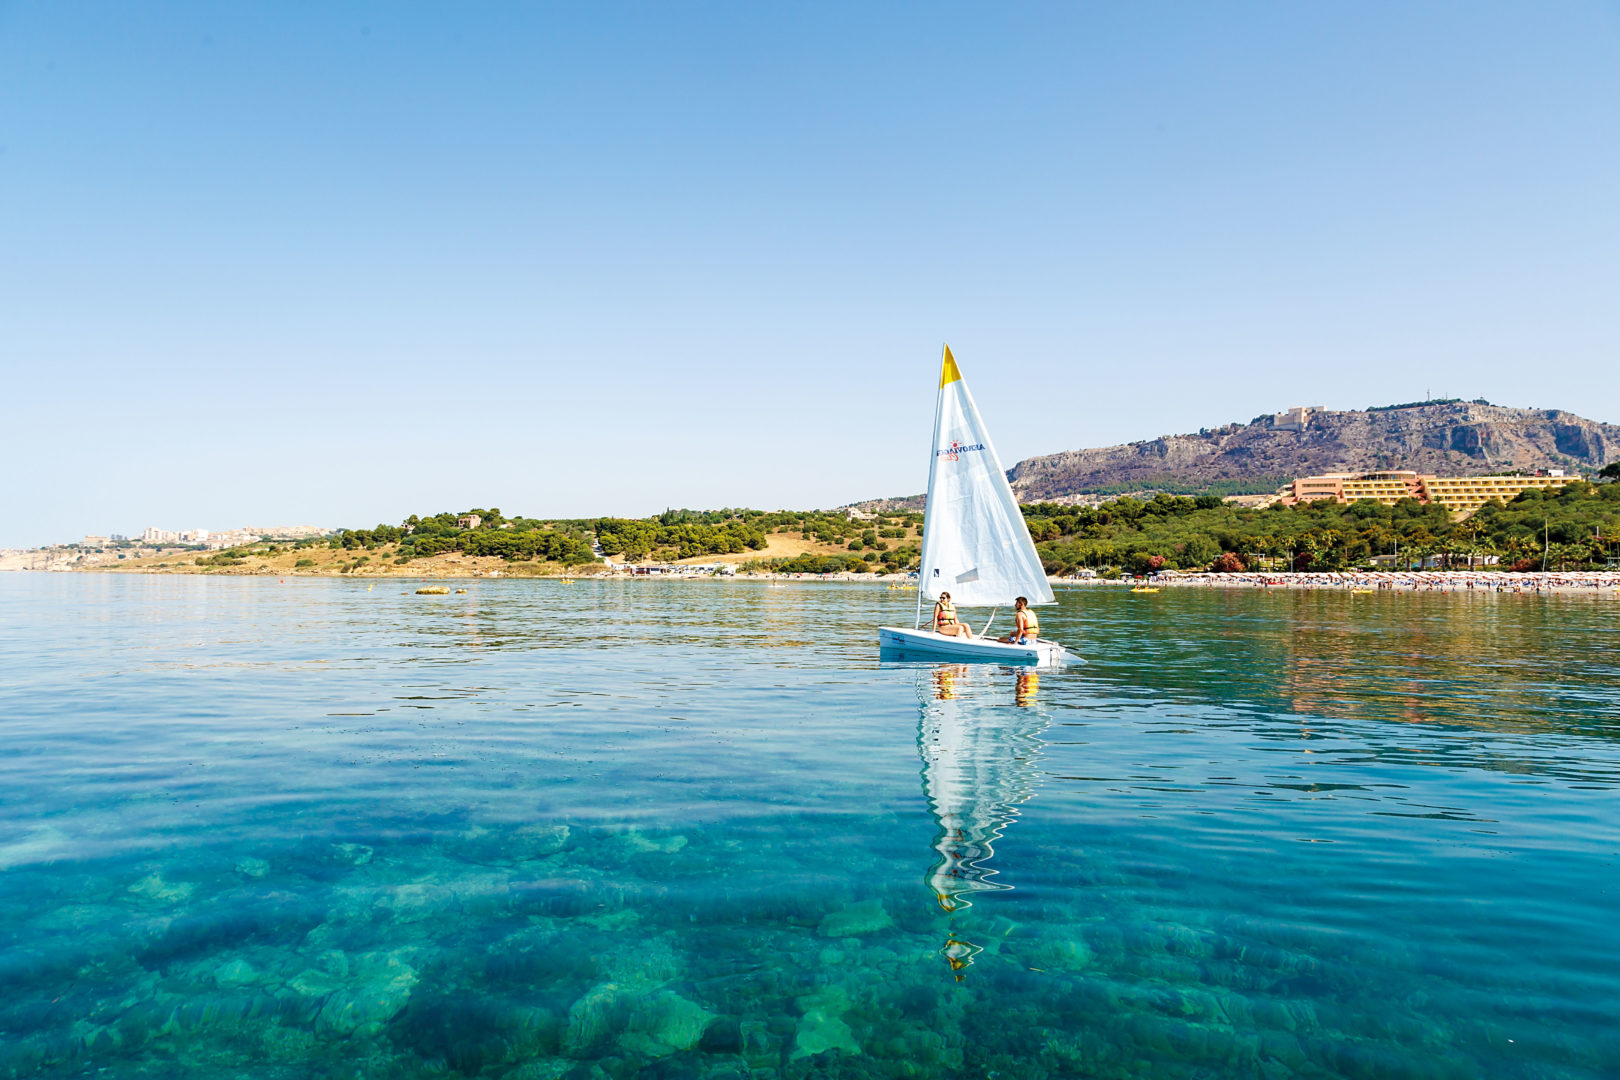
(1457, 439)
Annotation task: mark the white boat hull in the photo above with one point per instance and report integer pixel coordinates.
(927, 644)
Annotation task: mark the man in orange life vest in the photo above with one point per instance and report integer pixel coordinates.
(1026, 627)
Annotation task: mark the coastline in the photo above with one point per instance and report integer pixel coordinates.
(460, 568)
(1584, 582)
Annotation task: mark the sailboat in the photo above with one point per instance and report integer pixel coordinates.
(975, 543)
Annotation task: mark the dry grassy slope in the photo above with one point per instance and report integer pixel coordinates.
(780, 546)
(1461, 439)
(331, 562)
(379, 563)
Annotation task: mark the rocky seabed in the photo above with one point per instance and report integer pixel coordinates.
(545, 952)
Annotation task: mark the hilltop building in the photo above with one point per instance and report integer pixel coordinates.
(1296, 419)
(1459, 494)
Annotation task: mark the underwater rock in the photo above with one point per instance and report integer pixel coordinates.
(381, 989)
(543, 1069)
(821, 1027)
(471, 1032)
(927, 1051)
(761, 1050)
(218, 928)
(1172, 939)
(153, 888)
(312, 983)
(659, 1024)
(724, 1036)
(414, 901)
(852, 920)
(1062, 951)
(1159, 1037)
(622, 919)
(236, 972)
(251, 867)
(1288, 1015)
(465, 893)
(643, 965)
(1360, 1060)
(508, 846)
(1070, 1050)
(221, 1013)
(561, 898)
(543, 955)
(534, 1031)
(1234, 1009)
(590, 1019)
(80, 916)
(632, 841)
(538, 841)
(1282, 1047)
(334, 962)
(353, 854)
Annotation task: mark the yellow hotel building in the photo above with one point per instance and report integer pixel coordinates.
(1459, 494)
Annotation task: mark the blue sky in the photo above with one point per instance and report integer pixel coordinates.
(335, 264)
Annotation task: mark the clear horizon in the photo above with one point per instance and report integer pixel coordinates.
(342, 266)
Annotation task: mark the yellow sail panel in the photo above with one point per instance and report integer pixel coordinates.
(947, 372)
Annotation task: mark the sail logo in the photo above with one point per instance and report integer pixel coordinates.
(953, 451)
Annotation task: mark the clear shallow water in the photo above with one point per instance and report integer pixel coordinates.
(699, 830)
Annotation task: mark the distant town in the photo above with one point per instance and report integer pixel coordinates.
(106, 550)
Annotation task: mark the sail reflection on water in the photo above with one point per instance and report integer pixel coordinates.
(980, 749)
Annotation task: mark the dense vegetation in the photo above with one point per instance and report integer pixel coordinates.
(517, 539)
(1572, 527)
(1170, 532)
(674, 534)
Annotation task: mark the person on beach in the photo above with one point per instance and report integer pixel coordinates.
(1026, 627)
(945, 620)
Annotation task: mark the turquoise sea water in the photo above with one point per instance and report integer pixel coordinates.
(686, 830)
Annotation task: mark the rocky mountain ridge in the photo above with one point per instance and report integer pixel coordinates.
(1449, 438)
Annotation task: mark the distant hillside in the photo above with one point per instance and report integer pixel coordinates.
(1457, 438)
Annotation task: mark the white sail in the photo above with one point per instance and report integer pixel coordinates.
(975, 543)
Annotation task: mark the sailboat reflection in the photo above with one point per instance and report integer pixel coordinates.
(979, 763)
